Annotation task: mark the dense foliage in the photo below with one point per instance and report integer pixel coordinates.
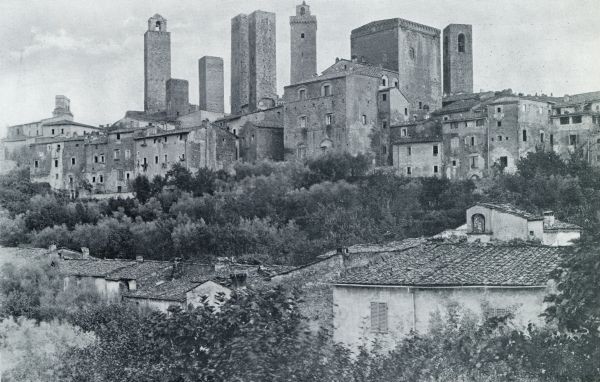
(287, 213)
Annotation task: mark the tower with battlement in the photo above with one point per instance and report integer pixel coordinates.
(157, 64)
(210, 80)
(253, 62)
(458, 59)
(303, 43)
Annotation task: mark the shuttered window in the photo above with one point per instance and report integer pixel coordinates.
(379, 317)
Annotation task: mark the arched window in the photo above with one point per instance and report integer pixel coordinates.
(411, 53)
(461, 43)
(478, 223)
(384, 81)
(157, 27)
(302, 11)
(395, 83)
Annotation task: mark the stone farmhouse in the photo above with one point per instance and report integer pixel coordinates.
(404, 98)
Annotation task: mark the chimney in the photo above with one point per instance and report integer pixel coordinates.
(548, 218)
(139, 259)
(337, 59)
(85, 252)
(342, 251)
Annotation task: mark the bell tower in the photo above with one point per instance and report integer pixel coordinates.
(157, 64)
(458, 59)
(303, 28)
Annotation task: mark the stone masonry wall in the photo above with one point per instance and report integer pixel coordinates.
(211, 83)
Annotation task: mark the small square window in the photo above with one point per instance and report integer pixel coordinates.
(408, 171)
(384, 97)
(499, 123)
(454, 163)
(435, 150)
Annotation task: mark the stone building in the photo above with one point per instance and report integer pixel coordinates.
(178, 99)
(575, 126)
(335, 111)
(458, 59)
(260, 134)
(157, 64)
(211, 84)
(253, 62)
(303, 43)
(418, 156)
(411, 49)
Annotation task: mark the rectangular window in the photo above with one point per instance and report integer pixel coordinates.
(52, 131)
(479, 122)
(156, 159)
(127, 154)
(576, 119)
(408, 171)
(118, 136)
(435, 169)
(435, 150)
(364, 119)
(101, 178)
(73, 161)
(36, 164)
(409, 151)
(379, 317)
(473, 162)
(384, 97)
(499, 124)
(70, 180)
(472, 141)
(551, 139)
(145, 161)
(303, 122)
(116, 154)
(119, 174)
(62, 131)
(326, 90)
(542, 137)
(93, 179)
(56, 163)
(420, 105)
(564, 120)
(503, 162)
(127, 176)
(573, 140)
(166, 158)
(102, 158)
(499, 109)
(328, 119)
(524, 135)
(95, 158)
(181, 137)
(384, 124)
(454, 163)
(403, 132)
(165, 139)
(405, 111)
(499, 138)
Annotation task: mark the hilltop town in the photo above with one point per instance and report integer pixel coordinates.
(405, 98)
(378, 221)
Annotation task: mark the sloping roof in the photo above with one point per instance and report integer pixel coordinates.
(160, 116)
(92, 268)
(140, 269)
(579, 98)
(561, 226)
(460, 265)
(63, 122)
(460, 105)
(407, 140)
(510, 209)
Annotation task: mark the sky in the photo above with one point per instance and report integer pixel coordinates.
(92, 51)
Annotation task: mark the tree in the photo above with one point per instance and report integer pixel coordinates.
(141, 188)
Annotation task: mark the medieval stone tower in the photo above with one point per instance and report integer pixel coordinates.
(157, 64)
(210, 80)
(411, 49)
(458, 59)
(303, 36)
(253, 62)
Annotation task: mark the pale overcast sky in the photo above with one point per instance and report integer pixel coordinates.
(92, 51)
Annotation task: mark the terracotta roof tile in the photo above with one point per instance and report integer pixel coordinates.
(460, 264)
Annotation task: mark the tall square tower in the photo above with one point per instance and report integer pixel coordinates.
(303, 43)
(253, 62)
(157, 64)
(210, 80)
(458, 59)
(410, 48)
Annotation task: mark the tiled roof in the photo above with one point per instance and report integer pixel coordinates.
(70, 123)
(460, 105)
(406, 140)
(561, 226)
(171, 290)
(377, 248)
(92, 268)
(460, 265)
(160, 116)
(140, 269)
(510, 209)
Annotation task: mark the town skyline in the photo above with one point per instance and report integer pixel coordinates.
(99, 65)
